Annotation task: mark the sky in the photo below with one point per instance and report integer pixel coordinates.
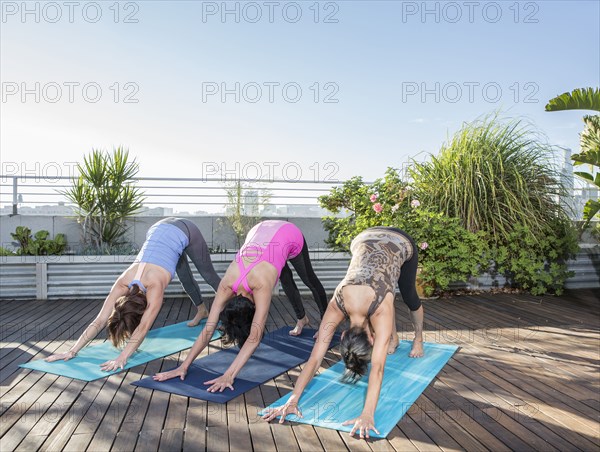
(288, 90)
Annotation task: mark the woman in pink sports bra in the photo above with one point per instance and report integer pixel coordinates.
(244, 296)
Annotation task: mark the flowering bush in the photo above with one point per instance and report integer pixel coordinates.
(447, 251)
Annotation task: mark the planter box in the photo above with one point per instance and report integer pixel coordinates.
(91, 277)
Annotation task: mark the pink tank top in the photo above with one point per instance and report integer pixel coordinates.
(272, 241)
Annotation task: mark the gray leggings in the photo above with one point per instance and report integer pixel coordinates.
(197, 250)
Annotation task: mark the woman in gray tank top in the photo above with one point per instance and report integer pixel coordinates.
(136, 297)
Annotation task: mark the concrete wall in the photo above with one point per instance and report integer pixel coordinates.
(215, 230)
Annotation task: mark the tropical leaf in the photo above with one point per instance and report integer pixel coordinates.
(590, 137)
(578, 99)
(590, 210)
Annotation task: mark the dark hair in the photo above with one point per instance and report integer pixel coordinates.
(356, 353)
(126, 315)
(236, 320)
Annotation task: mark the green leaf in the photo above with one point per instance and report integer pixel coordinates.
(590, 210)
(578, 99)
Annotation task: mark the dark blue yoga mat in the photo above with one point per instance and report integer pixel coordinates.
(278, 352)
(158, 343)
(327, 402)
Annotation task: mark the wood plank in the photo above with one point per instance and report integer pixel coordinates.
(260, 431)
(237, 424)
(194, 438)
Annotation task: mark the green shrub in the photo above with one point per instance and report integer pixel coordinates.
(39, 244)
(6, 252)
(494, 175)
(537, 265)
(448, 252)
(499, 179)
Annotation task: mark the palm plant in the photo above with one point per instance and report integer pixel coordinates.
(105, 195)
(585, 99)
(493, 175)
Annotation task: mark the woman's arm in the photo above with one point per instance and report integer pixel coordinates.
(223, 295)
(382, 327)
(118, 290)
(154, 296)
(332, 318)
(262, 301)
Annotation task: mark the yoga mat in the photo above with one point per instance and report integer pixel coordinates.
(327, 402)
(278, 352)
(158, 343)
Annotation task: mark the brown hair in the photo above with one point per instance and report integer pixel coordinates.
(126, 315)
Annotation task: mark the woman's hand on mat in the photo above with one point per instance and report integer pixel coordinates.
(362, 424)
(180, 372)
(283, 411)
(219, 384)
(114, 364)
(64, 356)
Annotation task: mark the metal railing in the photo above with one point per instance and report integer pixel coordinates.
(37, 195)
(31, 194)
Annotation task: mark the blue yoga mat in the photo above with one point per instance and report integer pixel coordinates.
(327, 402)
(278, 352)
(158, 343)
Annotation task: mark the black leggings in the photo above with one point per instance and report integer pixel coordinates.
(408, 274)
(197, 250)
(304, 269)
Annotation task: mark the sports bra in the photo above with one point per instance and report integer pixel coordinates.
(136, 279)
(271, 241)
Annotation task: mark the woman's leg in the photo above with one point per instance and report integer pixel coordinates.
(198, 252)
(408, 290)
(293, 294)
(304, 269)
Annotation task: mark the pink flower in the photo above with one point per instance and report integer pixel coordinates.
(424, 245)
(415, 203)
(377, 207)
(373, 197)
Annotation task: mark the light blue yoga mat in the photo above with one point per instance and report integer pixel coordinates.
(327, 402)
(158, 343)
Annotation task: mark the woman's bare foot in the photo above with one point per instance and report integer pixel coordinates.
(393, 345)
(417, 349)
(301, 323)
(201, 314)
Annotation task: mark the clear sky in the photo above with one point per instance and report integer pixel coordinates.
(362, 84)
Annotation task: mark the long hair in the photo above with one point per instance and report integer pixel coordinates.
(126, 315)
(236, 321)
(356, 353)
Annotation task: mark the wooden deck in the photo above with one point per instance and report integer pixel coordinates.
(526, 378)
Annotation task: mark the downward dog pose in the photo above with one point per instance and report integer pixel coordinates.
(244, 296)
(381, 257)
(136, 297)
